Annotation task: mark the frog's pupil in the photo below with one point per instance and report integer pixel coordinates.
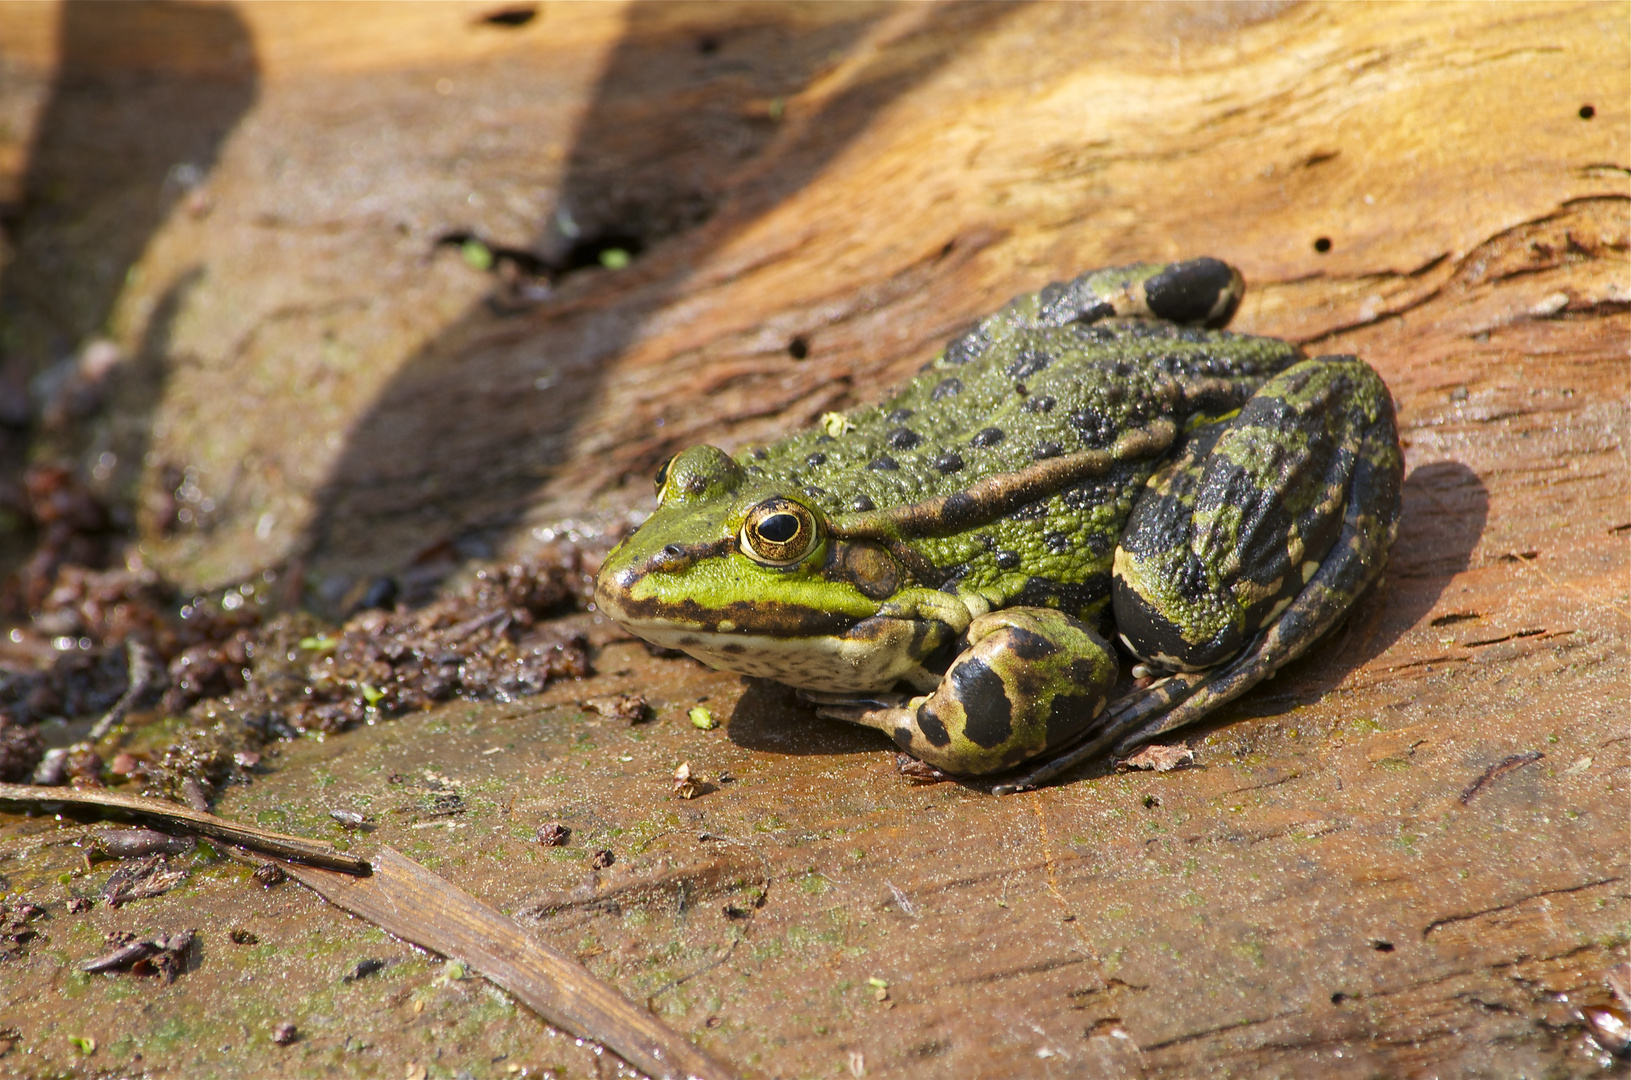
(779, 528)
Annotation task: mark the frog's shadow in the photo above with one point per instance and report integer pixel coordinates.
(1445, 509)
(769, 717)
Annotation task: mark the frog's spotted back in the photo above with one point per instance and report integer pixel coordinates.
(1101, 437)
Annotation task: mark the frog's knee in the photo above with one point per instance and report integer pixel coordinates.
(1030, 680)
(1191, 636)
(1200, 292)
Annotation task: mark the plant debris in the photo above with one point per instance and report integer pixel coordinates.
(136, 843)
(553, 834)
(141, 879)
(178, 818)
(268, 874)
(1157, 758)
(349, 819)
(362, 969)
(627, 708)
(15, 929)
(161, 955)
(913, 769)
(1609, 1024)
(403, 898)
(94, 632)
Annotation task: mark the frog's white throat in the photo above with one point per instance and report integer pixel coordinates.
(875, 655)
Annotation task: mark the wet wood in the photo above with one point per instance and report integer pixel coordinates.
(1407, 855)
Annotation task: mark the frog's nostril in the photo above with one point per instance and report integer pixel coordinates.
(670, 558)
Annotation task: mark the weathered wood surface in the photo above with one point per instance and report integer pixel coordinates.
(866, 180)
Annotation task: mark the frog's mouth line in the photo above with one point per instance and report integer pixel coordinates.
(614, 597)
(876, 655)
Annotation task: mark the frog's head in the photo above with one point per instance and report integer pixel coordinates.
(747, 577)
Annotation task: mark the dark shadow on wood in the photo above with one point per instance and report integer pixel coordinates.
(144, 97)
(681, 150)
(1446, 507)
(770, 717)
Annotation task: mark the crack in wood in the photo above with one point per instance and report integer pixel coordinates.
(1041, 968)
(1237, 1025)
(1286, 779)
(1515, 635)
(1498, 770)
(1449, 920)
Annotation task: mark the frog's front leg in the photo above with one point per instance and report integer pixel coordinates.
(1031, 679)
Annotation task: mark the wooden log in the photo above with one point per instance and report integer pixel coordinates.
(815, 199)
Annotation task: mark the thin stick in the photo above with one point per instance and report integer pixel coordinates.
(140, 680)
(407, 900)
(185, 819)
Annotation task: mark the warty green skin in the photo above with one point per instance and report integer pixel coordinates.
(1073, 453)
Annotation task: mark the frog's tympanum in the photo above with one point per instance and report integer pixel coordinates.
(1095, 460)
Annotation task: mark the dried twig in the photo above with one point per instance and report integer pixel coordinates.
(297, 848)
(403, 898)
(142, 670)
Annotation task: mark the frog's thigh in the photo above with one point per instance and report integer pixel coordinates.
(1225, 538)
(1370, 523)
(1031, 679)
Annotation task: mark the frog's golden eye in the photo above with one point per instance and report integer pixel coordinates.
(779, 532)
(662, 474)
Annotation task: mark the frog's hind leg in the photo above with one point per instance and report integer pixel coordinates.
(1355, 559)
(1186, 697)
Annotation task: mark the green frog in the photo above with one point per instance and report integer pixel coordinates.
(1096, 462)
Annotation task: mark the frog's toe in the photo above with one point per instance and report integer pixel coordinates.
(1198, 292)
(1031, 679)
(883, 711)
(830, 704)
(893, 714)
(1201, 292)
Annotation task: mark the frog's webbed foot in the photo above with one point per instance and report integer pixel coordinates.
(1369, 522)
(1031, 678)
